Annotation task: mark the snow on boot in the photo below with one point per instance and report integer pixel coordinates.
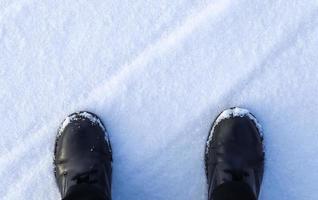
(234, 157)
(83, 158)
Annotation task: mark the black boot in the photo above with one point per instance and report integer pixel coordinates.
(234, 157)
(83, 158)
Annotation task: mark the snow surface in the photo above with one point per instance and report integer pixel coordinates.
(158, 73)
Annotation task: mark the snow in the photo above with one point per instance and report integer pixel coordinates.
(229, 113)
(158, 73)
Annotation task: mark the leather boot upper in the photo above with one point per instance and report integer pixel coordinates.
(235, 152)
(83, 154)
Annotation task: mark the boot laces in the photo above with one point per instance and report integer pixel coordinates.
(86, 177)
(237, 175)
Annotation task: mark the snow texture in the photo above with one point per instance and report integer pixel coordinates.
(158, 73)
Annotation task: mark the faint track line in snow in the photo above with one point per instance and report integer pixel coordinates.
(277, 50)
(21, 183)
(24, 147)
(102, 92)
(287, 41)
(109, 89)
(164, 44)
(144, 58)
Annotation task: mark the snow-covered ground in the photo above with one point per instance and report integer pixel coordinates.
(158, 73)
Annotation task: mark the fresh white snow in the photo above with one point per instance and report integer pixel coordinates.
(158, 73)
